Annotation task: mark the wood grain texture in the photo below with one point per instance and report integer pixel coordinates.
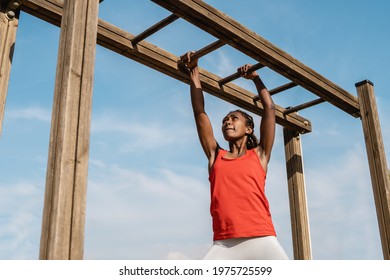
(8, 29)
(297, 196)
(66, 179)
(376, 160)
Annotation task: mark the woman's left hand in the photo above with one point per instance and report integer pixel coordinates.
(243, 70)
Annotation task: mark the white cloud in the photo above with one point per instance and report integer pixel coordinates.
(20, 220)
(144, 215)
(97, 163)
(341, 208)
(139, 135)
(221, 62)
(224, 66)
(33, 113)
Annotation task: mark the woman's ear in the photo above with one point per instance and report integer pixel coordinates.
(249, 130)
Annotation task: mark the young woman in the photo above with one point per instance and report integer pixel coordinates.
(242, 223)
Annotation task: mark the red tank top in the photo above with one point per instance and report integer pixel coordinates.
(239, 207)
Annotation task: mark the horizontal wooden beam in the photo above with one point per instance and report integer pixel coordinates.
(282, 88)
(119, 41)
(297, 108)
(153, 29)
(237, 75)
(207, 49)
(225, 28)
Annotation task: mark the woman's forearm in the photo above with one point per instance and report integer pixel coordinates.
(265, 97)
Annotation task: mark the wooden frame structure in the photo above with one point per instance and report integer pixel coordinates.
(66, 182)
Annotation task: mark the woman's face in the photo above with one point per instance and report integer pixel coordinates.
(234, 126)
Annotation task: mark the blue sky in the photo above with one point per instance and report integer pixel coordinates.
(148, 193)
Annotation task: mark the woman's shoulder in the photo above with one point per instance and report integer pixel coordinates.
(256, 150)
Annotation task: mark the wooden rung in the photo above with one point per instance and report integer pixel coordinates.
(282, 88)
(278, 89)
(237, 74)
(153, 29)
(294, 109)
(208, 49)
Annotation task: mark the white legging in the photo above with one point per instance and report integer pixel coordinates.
(253, 248)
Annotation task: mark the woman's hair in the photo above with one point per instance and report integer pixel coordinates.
(252, 141)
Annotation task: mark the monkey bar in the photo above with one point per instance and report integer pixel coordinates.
(153, 29)
(65, 196)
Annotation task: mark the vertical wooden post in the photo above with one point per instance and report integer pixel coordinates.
(9, 19)
(66, 179)
(297, 196)
(376, 159)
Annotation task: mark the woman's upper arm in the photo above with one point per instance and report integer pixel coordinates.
(206, 135)
(203, 124)
(267, 132)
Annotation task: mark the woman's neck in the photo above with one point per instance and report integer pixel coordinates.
(238, 148)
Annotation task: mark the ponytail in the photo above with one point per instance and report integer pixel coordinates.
(252, 141)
